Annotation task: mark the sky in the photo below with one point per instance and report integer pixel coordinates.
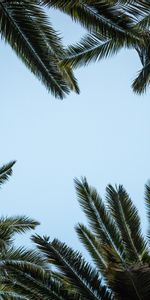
(103, 134)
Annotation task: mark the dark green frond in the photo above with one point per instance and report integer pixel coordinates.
(141, 83)
(79, 273)
(101, 17)
(6, 171)
(126, 217)
(99, 219)
(92, 47)
(93, 245)
(25, 27)
(23, 255)
(147, 201)
(35, 282)
(12, 225)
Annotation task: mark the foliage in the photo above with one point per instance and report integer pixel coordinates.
(25, 26)
(112, 25)
(114, 240)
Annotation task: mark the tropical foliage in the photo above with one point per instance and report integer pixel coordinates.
(121, 258)
(9, 253)
(112, 25)
(25, 26)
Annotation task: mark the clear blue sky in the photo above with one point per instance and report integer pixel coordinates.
(103, 134)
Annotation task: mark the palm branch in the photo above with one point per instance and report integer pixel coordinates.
(24, 25)
(112, 25)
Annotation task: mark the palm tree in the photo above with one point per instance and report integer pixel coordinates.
(112, 25)
(25, 26)
(120, 254)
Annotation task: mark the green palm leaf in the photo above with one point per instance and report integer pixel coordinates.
(79, 273)
(6, 172)
(33, 281)
(147, 201)
(99, 220)
(12, 225)
(101, 17)
(92, 47)
(26, 28)
(94, 247)
(126, 217)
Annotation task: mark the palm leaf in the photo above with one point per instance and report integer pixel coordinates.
(35, 282)
(101, 17)
(12, 225)
(147, 201)
(99, 220)
(92, 47)
(79, 273)
(6, 171)
(126, 217)
(25, 27)
(94, 247)
(142, 81)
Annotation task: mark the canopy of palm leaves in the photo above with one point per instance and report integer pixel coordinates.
(112, 25)
(118, 249)
(25, 26)
(9, 253)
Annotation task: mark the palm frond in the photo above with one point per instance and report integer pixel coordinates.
(21, 254)
(5, 295)
(92, 47)
(80, 274)
(126, 217)
(147, 202)
(6, 171)
(25, 27)
(35, 282)
(142, 81)
(99, 219)
(100, 17)
(94, 247)
(12, 225)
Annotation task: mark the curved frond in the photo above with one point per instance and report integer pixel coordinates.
(92, 47)
(25, 27)
(12, 225)
(99, 219)
(94, 247)
(147, 201)
(141, 83)
(6, 171)
(101, 17)
(23, 255)
(79, 273)
(126, 217)
(35, 282)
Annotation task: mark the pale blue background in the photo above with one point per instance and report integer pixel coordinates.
(104, 134)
